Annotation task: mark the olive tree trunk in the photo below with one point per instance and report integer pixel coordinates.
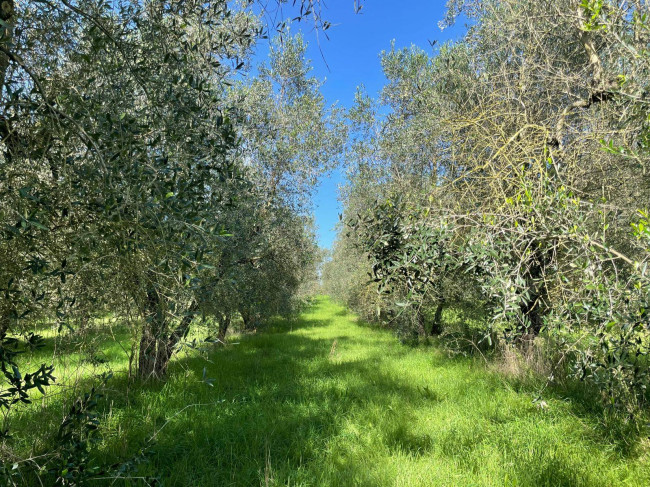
(158, 341)
(224, 324)
(436, 326)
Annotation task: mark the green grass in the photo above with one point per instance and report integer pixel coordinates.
(322, 400)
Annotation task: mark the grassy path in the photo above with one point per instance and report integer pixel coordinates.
(325, 401)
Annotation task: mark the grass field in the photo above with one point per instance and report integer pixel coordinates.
(322, 400)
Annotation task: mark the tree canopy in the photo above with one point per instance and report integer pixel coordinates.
(506, 176)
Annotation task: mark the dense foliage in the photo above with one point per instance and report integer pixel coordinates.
(505, 178)
(141, 179)
(155, 188)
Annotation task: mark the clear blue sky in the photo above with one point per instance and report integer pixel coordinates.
(352, 54)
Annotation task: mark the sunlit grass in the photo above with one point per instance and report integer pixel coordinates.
(322, 400)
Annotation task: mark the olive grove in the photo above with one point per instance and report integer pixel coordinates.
(504, 180)
(142, 178)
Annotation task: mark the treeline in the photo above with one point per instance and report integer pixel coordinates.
(143, 177)
(498, 192)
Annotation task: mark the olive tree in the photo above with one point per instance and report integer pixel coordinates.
(532, 133)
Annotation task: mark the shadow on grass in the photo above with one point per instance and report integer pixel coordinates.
(624, 432)
(277, 413)
(277, 401)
